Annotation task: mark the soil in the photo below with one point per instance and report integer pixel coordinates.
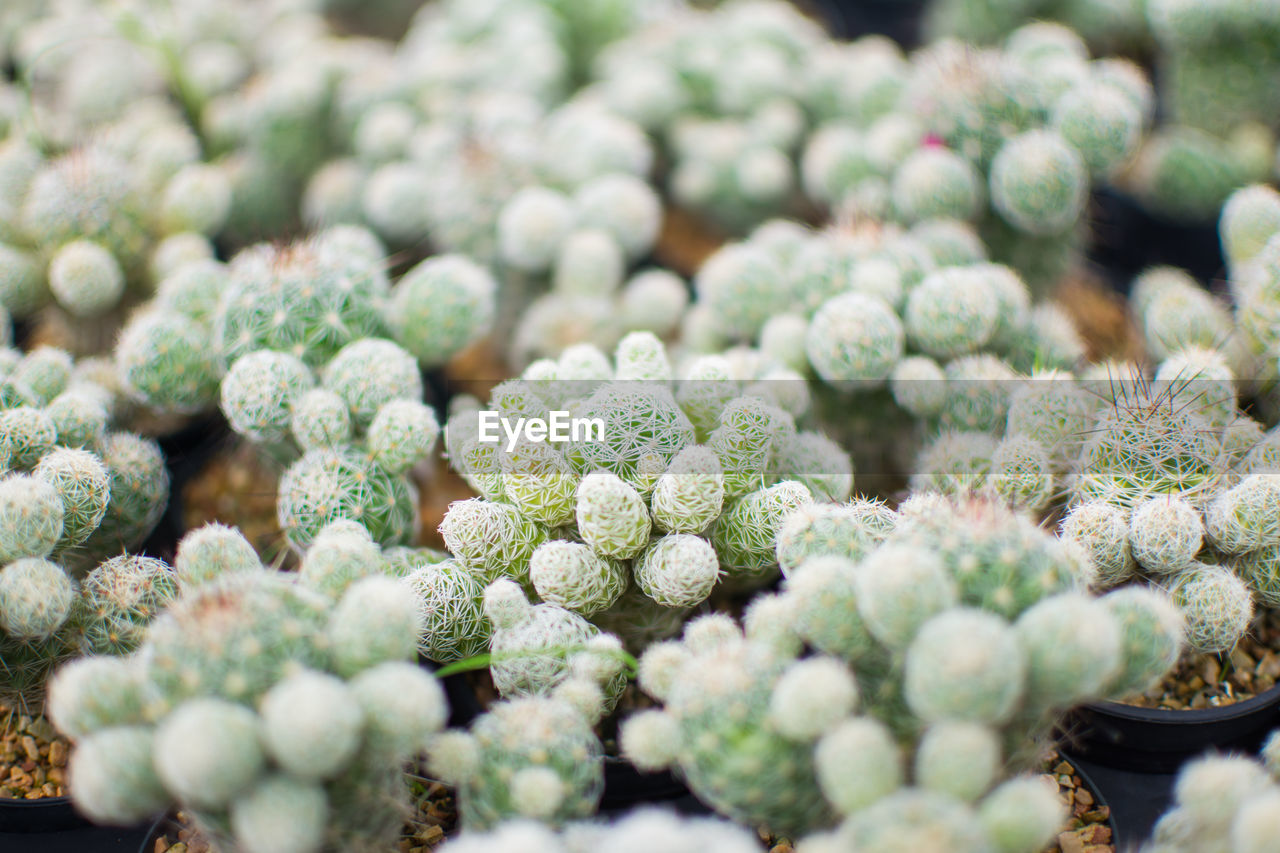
(33, 758)
(237, 488)
(1212, 681)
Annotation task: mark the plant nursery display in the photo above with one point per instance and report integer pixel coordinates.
(618, 425)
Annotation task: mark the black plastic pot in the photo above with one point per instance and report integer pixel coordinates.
(186, 452)
(1128, 239)
(1136, 800)
(625, 787)
(851, 19)
(1151, 740)
(53, 825)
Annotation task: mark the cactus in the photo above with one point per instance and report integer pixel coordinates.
(1217, 607)
(212, 698)
(951, 672)
(533, 756)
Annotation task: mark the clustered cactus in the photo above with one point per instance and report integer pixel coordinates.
(951, 636)
(76, 493)
(1222, 800)
(277, 710)
(251, 214)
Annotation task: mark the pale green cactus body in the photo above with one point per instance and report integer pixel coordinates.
(857, 764)
(745, 537)
(325, 485)
(573, 576)
(164, 360)
(119, 600)
(115, 780)
(1102, 529)
(900, 588)
(854, 341)
(690, 493)
(207, 752)
(1217, 607)
(369, 373)
(258, 393)
(959, 759)
(440, 306)
(36, 597)
(320, 420)
(490, 539)
(339, 557)
(305, 709)
(612, 517)
(1151, 637)
(97, 692)
(453, 625)
(374, 623)
(966, 665)
(83, 485)
(1066, 665)
(211, 551)
(1165, 534)
(1038, 183)
(31, 517)
(677, 570)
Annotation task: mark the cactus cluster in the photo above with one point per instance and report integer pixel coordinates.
(950, 644)
(1222, 800)
(277, 711)
(314, 220)
(685, 485)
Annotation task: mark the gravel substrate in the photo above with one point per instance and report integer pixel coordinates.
(1210, 681)
(1089, 830)
(33, 758)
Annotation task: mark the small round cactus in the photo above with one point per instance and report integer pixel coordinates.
(369, 373)
(258, 394)
(164, 360)
(31, 517)
(857, 763)
(1165, 534)
(1038, 183)
(208, 751)
(1216, 605)
(611, 515)
(900, 588)
(1151, 637)
(1022, 814)
(575, 577)
(965, 665)
(440, 306)
(83, 485)
(212, 551)
(959, 759)
(320, 420)
(85, 278)
(1065, 664)
(690, 493)
(677, 570)
(36, 597)
(280, 814)
(854, 340)
(306, 709)
(453, 625)
(325, 485)
(114, 776)
(936, 183)
(1102, 529)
